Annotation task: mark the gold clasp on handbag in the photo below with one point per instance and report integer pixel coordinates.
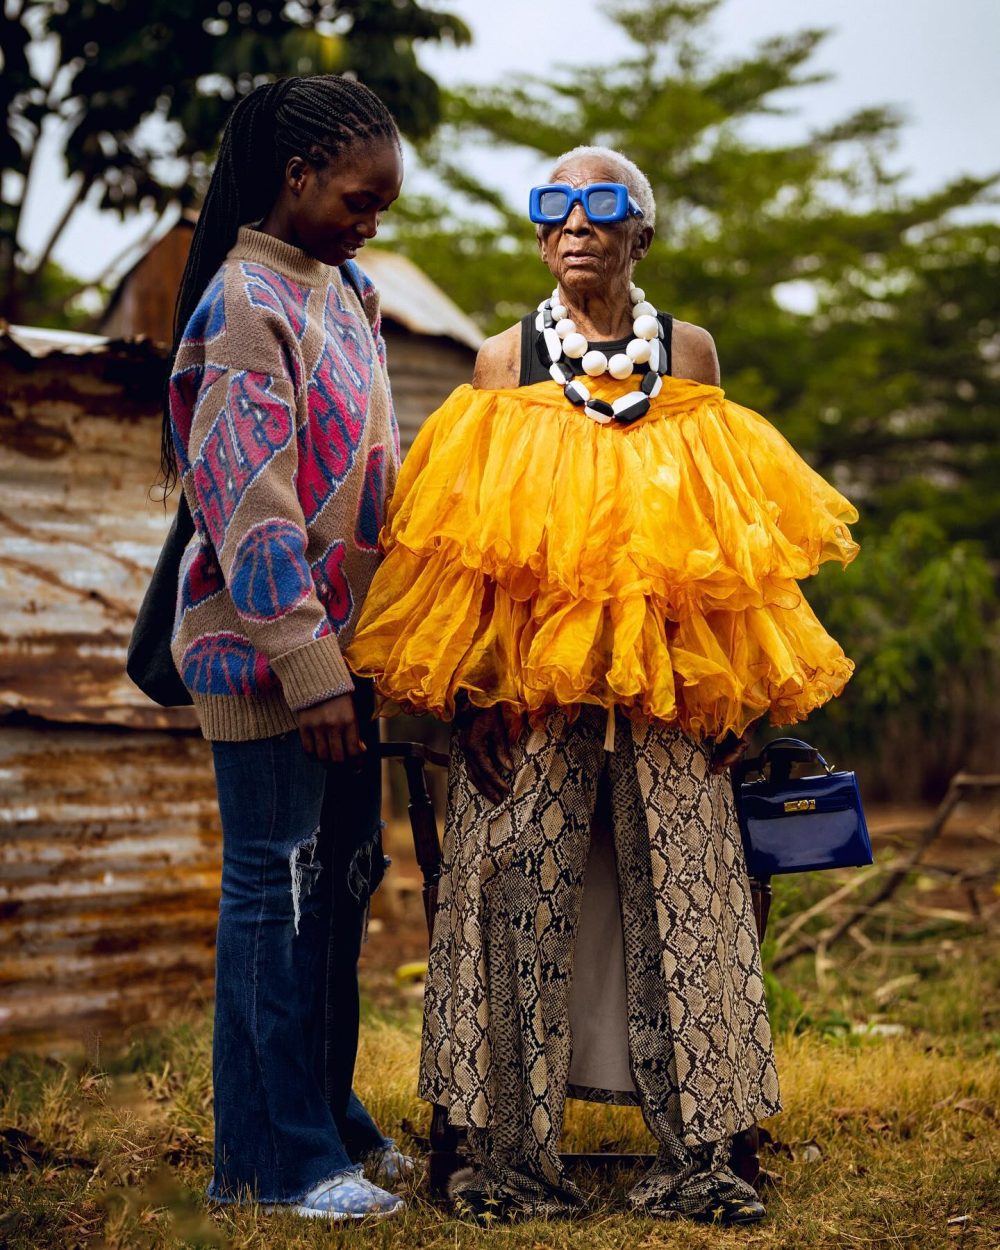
(800, 805)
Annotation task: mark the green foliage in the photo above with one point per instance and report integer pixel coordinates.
(917, 614)
(141, 89)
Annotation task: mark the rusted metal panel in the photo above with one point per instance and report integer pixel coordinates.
(109, 877)
(79, 530)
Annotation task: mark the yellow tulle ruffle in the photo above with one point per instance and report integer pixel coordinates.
(535, 559)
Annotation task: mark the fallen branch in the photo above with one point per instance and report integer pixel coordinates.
(961, 784)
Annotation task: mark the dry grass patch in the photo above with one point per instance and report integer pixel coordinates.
(885, 1142)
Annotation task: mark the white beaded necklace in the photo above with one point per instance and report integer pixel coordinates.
(567, 350)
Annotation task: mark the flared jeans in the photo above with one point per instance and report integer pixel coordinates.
(302, 852)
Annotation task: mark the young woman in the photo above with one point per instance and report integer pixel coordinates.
(280, 426)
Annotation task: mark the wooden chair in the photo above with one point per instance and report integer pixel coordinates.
(445, 1140)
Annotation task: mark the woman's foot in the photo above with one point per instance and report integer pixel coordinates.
(389, 1166)
(348, 1196)
(728, 1207)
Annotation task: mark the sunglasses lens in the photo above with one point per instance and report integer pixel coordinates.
(602, 204)
(553, 203)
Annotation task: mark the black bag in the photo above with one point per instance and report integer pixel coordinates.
(801, 824)
(148, 661)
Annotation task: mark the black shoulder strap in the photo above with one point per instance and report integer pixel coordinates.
(527, 349)
(667, 321)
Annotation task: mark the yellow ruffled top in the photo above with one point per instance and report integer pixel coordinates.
(535, 558)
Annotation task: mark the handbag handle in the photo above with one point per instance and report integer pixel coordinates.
(780, 755)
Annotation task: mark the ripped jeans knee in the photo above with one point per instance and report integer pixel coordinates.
(305, 870)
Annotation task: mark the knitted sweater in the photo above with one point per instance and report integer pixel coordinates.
(287, 448)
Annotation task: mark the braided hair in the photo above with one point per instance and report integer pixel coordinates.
(316, 118)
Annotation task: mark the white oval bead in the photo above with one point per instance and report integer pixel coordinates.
(557, 372)
(559, 311)
(637, 295)
(602, 418)
(543, 305)
(638, 350)
(574, 346)
(595, 363)
(620, 366)
(643, 309)
(564, 327)
(646, 327)
(539, 323)
(655, 356)
(582, 392)
(553, 344)
(657, 387)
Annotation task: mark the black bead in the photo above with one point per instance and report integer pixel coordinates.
(636, 409)
(574, 394)
(648, 382)
(602, 406)
(564, 369)
(548, 321)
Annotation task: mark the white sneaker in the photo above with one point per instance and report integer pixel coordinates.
(389, 1166)
(348, 1196)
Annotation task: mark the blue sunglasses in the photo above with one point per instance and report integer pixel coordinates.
(602, 202)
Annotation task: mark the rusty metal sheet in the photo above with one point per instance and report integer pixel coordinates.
(110, 855)
(79, 530)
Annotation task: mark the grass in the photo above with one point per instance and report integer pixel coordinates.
(888, 1139)
(882, 1143)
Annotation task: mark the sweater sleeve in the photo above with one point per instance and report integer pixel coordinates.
(239, 471)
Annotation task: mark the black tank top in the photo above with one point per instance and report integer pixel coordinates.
(533, 370)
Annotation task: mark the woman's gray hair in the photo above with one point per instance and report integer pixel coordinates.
(631, 175)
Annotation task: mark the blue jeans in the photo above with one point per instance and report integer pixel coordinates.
(302, 852)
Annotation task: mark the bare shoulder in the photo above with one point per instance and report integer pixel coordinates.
(498, 364)
(694, 354)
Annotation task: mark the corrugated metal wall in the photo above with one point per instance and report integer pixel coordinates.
(110, 880)
(109, 849)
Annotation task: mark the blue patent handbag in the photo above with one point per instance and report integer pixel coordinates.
(801, 824)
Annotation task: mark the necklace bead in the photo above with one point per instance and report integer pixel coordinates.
(575, 346)
(646, 327)
(563, 343)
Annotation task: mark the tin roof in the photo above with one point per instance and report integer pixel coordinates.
(410, 298)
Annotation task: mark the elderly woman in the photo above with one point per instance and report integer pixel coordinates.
(591, 568)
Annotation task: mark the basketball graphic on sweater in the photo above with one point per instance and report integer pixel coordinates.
(270, 574)
(220, 663)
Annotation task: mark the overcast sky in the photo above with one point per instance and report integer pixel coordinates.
(939, 62)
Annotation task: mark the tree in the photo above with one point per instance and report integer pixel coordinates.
(888, 380)
(139, 89)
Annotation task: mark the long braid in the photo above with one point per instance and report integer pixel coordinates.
(316, 118)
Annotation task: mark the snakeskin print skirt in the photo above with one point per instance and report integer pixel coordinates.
(497, 1044)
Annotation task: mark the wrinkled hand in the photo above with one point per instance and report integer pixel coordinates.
(484, 743)
(329, 730)
(728, 750)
